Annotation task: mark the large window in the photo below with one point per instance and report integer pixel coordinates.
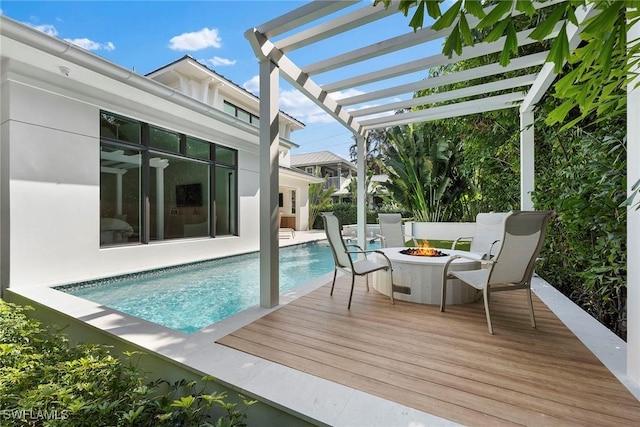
(157, 184)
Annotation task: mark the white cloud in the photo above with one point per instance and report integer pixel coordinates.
(85, 43)
(46, 28)
(302, 108)
(216, 61)
(196, 40)
(253, 85)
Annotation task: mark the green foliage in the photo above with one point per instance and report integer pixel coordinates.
(319, 201)
(424, 175)
(582, 177)
(579, 175)
(601, 65)
(46, 381)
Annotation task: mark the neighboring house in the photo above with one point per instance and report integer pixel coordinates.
(336, 171)
(104, 171)
(341, 174)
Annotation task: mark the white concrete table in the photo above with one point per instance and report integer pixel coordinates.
(424, 276)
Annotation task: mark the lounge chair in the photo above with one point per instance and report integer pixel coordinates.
(343, 260)
(512, 267)
(391, 233)
(486, 239)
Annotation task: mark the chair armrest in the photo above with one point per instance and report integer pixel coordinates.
(455, 242)
(490, 253)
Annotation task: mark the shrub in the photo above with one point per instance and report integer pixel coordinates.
(44, 380)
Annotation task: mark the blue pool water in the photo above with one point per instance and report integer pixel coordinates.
(188, 298)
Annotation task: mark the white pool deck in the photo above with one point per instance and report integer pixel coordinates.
(313, 399)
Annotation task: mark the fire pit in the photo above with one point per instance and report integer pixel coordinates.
(427, 252)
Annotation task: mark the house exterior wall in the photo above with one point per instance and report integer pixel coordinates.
(50, 176)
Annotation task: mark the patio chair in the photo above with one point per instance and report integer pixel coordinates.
(391, 233)
(512, 267)
(344, 262)
(486, 239)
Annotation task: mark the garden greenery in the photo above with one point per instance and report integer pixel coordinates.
(580, 149)
(46, 381)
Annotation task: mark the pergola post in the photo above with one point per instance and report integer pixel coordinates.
(269, 140)
(633, 222)
(361, 216)
(527, 160)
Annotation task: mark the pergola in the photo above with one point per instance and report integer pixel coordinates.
(322, 19)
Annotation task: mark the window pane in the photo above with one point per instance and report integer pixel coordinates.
(197, 148)
(255, 120)
(119, 128)
(164, 139)
(225, 155)
(293, 201)
(244, 116)
(226, 202)
(119, 195)
(230, 109)
(179, 197)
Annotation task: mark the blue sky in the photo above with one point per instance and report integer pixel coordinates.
(146, 35)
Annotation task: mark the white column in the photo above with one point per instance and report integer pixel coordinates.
(217, 102)
(119, 192)
(527, 157)
(633, 224)
(361, 216)
(204, 90)
(160, 203)
(269, 140)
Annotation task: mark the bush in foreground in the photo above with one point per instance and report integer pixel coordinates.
(44, 380)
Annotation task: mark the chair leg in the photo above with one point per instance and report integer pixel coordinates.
(335, 272)
(393, 301)
(366, 281)
(486, 309)
(532, 316)
(443, 295)
(353, 281)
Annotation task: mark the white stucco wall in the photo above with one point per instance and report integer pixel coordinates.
(54, 184)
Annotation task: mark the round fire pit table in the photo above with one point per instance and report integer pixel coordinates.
(424, 276)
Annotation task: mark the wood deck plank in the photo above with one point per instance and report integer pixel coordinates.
(445, 364)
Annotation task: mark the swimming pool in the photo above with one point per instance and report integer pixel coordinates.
(188, 298)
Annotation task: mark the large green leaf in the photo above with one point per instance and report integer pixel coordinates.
(447, 18)
(496, 14)
(545, 27)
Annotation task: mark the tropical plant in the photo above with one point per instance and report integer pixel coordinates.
(319, 201)
(423, 173)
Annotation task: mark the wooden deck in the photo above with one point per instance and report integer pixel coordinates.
(445, 364)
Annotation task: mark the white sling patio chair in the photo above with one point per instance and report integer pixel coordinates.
(344, 262)
(391, 234)
(486, 239)
(512, 267)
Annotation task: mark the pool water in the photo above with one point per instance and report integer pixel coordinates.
(188, 298)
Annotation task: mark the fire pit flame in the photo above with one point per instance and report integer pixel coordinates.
(423, 250)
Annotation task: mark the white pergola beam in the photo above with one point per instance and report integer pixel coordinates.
(480, 49)
(301, 81)
(512, 83)
(447, 79)
(339, 25)
(453, 110)
(374, 50)
(302, 15)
